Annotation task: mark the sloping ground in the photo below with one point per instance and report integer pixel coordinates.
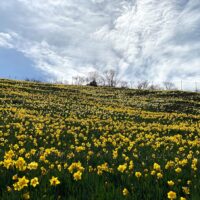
(101, 143)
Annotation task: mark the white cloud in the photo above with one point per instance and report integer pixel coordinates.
(143, 39)
(6, 40)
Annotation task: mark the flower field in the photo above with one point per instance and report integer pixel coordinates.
(86, 143)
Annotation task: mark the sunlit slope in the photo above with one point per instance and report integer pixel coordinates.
(20, 94)
(81, 142)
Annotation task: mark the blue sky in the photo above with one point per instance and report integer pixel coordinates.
(15, 65)
(54, 40)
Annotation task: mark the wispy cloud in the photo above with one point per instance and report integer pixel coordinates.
(143, 39)
(6, 40)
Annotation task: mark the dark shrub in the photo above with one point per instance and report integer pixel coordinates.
(93, 83)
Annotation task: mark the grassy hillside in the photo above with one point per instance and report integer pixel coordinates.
(78, 142)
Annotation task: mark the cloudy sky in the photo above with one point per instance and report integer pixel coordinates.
(156, 40)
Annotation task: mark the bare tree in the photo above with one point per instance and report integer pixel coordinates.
(92, 76)
(78, 80)
(123, 84)
(131, 83)
(74, 80)
(64, 82)
(142, 85)
(155, 87)
(111, 77)
(95, 76)
(169, 85)
(101, 80)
